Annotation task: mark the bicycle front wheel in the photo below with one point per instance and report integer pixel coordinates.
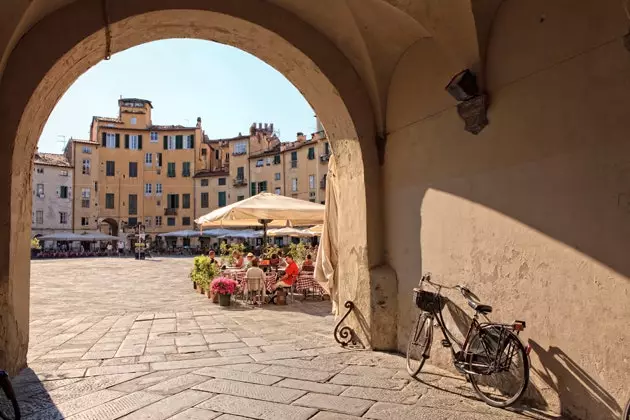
(419, 344)
(626, 412)
(502, 368)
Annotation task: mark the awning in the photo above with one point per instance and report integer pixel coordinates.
(180, 234)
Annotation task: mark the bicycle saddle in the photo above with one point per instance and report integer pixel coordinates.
(483, 309)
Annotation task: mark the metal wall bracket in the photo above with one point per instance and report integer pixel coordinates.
(345, 335)
(473, 112)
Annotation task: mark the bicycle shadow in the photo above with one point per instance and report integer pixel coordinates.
(33, 397)
(571, 383)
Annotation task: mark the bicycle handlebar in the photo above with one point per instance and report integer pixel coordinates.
(462, 288)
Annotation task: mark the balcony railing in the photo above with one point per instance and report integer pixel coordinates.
(322, 184)
(170, 212)
(239, 182)
(325, 157)
(294, 163)
(239, 152)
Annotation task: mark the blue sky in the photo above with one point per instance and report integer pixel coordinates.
(185, 79)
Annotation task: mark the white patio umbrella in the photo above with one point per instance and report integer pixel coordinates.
(289, 231)
(180, 234)
(316, 230)
(262, 209)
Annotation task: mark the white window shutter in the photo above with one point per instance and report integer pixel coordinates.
(69, 192)
(58, 192)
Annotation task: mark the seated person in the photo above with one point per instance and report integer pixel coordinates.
(290, 274)
(213, 258)
(248, 262)
(307, 265)
(256, 278)
(238, 259)
(274, 261)
(283, 263)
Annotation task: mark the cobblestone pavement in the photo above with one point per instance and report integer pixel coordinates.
(119, 338)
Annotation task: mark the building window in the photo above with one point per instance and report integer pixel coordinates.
(154, 137)
(40, 190)
(63, 173)
(39, 217)
(204, 152)
(63, 191)
(133, 204)
(276, 160)
(260, 162)
(222, 200)
(63, 217)
(311, 153)
(277, 176)
(87, 150)
(95, 186)
(158, 220)
(170, 221)
(133, 221)
(133, 169)
(171, 170)
(169, 142)
(172, 201)
(222, 181)
(135, 142)
(294, 184)
(158, 159)
(262, 186)
(148, 189)
(134, 120)
(109, 200)
(148, 159)
(85, 198)
(85, 167)
(311, 182)
(186, 221)
(204, 182)
(110, 168)
(110, 140)
(269, 161)
(147, 221)
(326, 148)
(240, 173)
(185, 201)
(158, 189)
(294, 156)
(240, 148)
(85, 221)
(240, 198)
(189, 142)
(186, 169)
(40, 170)
(204, 200)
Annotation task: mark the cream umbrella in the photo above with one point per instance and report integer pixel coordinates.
(262, 209)
(316, 230)
(289, 231)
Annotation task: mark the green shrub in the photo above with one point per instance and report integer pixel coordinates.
(203, 271)
(298, 252)
(35, 244)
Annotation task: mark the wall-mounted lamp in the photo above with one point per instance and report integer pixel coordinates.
(472, 105)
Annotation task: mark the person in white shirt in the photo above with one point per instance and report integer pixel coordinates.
(256, 278)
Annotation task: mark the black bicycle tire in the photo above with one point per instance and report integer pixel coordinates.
(423, 320)
(518, 395)
(626, 412)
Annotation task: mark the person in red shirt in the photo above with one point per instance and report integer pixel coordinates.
(290, 274)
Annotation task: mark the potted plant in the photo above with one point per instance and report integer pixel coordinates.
(224, 287)
(202, 273)
(35, 247)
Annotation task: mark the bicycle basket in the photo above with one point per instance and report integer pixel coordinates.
(428, 301)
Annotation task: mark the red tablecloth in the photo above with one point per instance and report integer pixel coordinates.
(306, 282)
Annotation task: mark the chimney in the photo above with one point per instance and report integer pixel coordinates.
(266, 126)
(301, 137)
(271, 127)
(260, 126)
(198, 122)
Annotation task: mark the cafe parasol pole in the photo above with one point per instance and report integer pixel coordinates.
(264, 222)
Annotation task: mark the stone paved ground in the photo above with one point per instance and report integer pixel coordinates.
(126, 339)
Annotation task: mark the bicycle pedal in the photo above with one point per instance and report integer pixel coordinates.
(446, 343)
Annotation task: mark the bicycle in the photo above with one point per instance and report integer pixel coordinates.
(5, 384)
(626, 412)
(490, 355)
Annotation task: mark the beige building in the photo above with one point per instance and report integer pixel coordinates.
(52, 194)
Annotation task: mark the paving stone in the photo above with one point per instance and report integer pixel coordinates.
(261, 357)
(297, 373)
(389, 411)
(345, 405)
(62, 374)
(238, 351)
(89, 385)
(151, 358)
(312, 386)
(370, 371)
(169, 406)
(278, 348)
(119, 361)
(74, 406)
(132, 350)
(257, 409)
(104, 346)
(195, 340)
(254, 378)
(119, 407)
(248, 367)
(255, 341)
(327, 415)
(177, 384)
(192, 349)
(222, 346)
(188, 356)
(91, 355)
(214, 361)
(307, 364)
(81, 364)
(232, 417)
(147, 380)
(221, 338)
(382, 395)
(196, 414)
(247, 390)
(109, 370)
(160, 350)
(369, 382)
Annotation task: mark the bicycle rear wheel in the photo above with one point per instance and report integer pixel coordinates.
(626, 412)
(502, 366)
(419, 344)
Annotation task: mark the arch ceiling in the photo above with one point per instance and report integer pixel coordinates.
(372, 34)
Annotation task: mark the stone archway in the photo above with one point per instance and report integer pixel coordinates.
(112, 226)
(32, 84)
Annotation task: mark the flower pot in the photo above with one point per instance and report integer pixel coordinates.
(201, 291)
(194, 285)
(224, 300)
(215, 298)
(210, 294)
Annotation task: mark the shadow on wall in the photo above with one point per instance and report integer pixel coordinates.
(572, 383)
(32, 397)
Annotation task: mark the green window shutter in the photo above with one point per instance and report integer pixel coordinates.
(192, 141)
(179, 142)
(126, 141)
(104, 139)
(140, 142)
(176, 201)
(165, 142)
(252, 189)
(117, 140)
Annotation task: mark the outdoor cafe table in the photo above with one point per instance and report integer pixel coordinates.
(307, 281)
